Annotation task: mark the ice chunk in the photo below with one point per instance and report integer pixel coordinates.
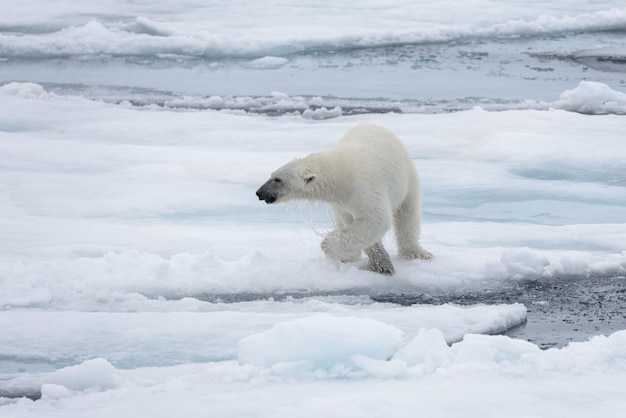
(25, 90)
(322, 113)
(381, 369)
(146, 26)
(494, 349)
(592, 97)
(52, 391)
(428, 349)
(321, 340)
(266, 63)
(92, 374)
(523, 262)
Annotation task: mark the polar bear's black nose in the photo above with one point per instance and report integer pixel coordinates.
(265, 195)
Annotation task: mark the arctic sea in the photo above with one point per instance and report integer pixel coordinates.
(139, 274)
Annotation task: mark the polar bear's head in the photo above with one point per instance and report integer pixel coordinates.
(294, 180)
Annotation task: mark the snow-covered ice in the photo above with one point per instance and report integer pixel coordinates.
(139, 274)
(161, 203)
(194, 331)
(249, 29)
(119, 222)
(480, 376)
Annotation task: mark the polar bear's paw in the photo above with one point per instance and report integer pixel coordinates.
(379, 260)
(380, 266)
(416, 254)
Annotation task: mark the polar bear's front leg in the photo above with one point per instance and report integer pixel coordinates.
(379, 260)
(342, 220)
(348, 242)
(332, 249)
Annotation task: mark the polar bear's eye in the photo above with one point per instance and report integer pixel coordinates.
(278, 180)
(309, 179)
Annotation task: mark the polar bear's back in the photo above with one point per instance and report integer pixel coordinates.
(378, 158)
(374, 144)
(373, 138)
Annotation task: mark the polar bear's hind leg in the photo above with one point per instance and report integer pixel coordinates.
(406, 223)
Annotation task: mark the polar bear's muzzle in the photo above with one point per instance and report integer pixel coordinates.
(269, 198)
(269, 191)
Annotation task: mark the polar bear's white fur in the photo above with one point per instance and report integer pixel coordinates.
(370, 182)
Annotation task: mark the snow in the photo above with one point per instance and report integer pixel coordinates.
(140, 276)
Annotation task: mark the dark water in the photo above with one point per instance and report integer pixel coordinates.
(560, 310)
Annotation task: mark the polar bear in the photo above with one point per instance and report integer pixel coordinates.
(370, 183)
